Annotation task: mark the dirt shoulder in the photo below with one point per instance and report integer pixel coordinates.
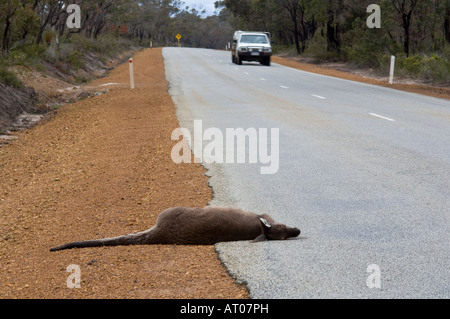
(365, 77)
(48, 86)
(101, 167)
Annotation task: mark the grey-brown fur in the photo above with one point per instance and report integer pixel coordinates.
(199, 226)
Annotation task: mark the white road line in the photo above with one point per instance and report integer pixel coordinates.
(262, 79)
(246, 73)
(284, 87)
(383, 117)
(319, 97)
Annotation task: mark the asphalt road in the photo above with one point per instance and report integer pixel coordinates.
(364, 172)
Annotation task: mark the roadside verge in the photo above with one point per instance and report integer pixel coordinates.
(101, 167)
(434, 91)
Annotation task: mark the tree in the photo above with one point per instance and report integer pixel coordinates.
(10, 7)
(447, 22)
(294, 9)
(405, 9)
(50, 12)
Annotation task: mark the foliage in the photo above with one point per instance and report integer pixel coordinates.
(432, 68)
(417, 31)
(9, 78)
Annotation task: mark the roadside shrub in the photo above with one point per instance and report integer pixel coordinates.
(76, 60)
(434, 68)
(106, 44)
(289, 51)
(362, 58)
(81, 43)
(410, 66)
(26, 54)
(9, 78)
(16, 57)
(317, 49)
(365, 47)
(33, 51)
(110, 44)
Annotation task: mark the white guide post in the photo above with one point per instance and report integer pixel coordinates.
(391, 73)
(131, 74)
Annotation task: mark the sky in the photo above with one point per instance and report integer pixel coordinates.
(199, 5)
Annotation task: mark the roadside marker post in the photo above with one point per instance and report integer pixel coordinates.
(391, 73)
(178, 38)
(131, 74)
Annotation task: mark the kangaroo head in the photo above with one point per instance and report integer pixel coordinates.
(276, 231)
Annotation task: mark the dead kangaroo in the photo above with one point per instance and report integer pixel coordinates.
(199, 226)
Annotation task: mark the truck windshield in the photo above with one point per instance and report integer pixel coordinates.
(254, 39)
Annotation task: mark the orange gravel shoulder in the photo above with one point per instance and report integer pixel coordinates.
(100, 168)
(434, 91)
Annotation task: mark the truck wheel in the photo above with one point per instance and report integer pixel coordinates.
(266, 61)
(238, 60)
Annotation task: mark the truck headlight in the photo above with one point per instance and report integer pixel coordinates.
(243, 49)
(267, 50)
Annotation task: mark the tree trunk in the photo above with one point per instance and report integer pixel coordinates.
(5, 42)
(406, 29)
(292, 7)
(406, 15)
(333, 43)
(447, 24)
(54, 10)
(7, 31)
(296, 40)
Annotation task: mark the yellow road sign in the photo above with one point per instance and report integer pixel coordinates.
(178, 36)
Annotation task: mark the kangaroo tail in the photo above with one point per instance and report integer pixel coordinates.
(131, 239)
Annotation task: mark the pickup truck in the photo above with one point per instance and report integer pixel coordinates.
(251, 46)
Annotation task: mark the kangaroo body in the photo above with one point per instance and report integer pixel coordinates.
(198, 226)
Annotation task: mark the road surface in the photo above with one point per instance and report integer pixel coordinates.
(363, 171)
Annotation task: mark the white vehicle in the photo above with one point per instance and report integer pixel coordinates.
(251, 46)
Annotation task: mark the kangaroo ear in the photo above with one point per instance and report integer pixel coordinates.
(265, 224)
(266, 227)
